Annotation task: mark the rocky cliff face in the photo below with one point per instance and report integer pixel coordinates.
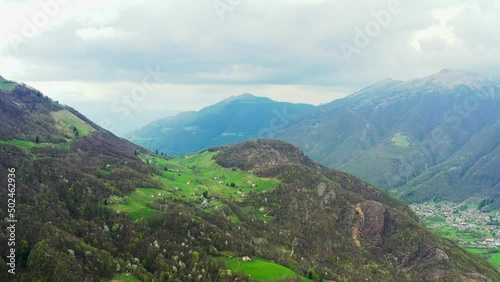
(373, 216)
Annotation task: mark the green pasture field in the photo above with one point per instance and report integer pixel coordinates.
(261, 270)
(195, 179)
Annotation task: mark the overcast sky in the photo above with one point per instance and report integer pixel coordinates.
(126, 62)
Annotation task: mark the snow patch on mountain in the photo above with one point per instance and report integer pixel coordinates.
(452, 78)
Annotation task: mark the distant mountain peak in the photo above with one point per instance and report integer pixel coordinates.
(450, 78)
(454, 73)
(384, 82)
(246, 97)
(2, 79)
(377, 85)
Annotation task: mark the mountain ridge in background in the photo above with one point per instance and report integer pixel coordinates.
(232, 120)
(394, 134)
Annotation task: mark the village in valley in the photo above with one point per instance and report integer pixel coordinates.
(464, 224)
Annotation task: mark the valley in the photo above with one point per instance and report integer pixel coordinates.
(463, 223)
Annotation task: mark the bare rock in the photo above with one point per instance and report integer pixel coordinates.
(475, 277)
(436, 274)
(429, 254)
(374, 222)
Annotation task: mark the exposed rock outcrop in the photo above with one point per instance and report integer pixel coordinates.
(374, 222)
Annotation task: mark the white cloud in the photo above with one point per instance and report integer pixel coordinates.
(11, 67)
(185, 97)
(442, 30)
(104, 33)
(92, 51)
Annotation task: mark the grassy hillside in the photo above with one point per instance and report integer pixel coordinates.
(30, 116)
(7, 85)
(72, 124)
(194, 178)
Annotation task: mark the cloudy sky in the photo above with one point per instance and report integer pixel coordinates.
(127, 62)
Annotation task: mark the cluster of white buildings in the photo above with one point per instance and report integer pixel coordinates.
(485, 227)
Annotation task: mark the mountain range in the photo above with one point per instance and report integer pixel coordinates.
(235, 119)
(94, 207)
(430, 138)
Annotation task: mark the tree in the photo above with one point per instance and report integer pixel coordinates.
(484, 203)
(24, 252)
(205, 194)
(37, 139)
(233, 184)
(311, 274)
(196, 256)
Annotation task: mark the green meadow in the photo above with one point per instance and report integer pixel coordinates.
(68, 121)
(138, 203)
(7, 85)
(124, 278)
(192, 175)
(28, 145)
(401, 140)
(196, 179)
(493, 256)
(261, 270)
